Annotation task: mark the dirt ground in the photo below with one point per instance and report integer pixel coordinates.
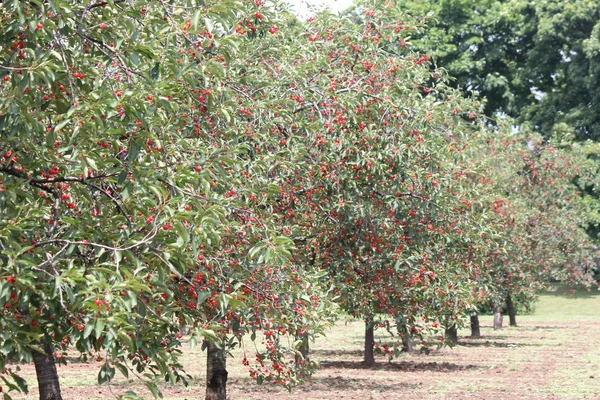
(553, 354)
(536, 360)
(533, 361)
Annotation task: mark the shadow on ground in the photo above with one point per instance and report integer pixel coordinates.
(489, 343)
(336, 353)
(342, 383)
(399, 366)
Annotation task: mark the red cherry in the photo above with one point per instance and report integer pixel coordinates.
(150, 98)
(102, 26)
(94, 212)
(98, 302)
(6, 78)
(39, 27)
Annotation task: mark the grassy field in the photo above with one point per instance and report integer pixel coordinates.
(553, 354)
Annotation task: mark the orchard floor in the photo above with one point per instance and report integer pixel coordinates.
(552, 354)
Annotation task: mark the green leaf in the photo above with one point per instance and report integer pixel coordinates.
(196, 19)
(21, 383)
(134, 150)
(154, 389)
(182, 231)
(61, 124)
(155, 72)
(99, 327)
(122, 369)
(202, 296)
(209, 24)
(88, 329)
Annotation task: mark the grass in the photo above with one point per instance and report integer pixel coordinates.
(553, 353)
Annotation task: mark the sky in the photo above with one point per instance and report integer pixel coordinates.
(301, 6)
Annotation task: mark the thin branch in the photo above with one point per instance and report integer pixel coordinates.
(145, 240)
(65, 63)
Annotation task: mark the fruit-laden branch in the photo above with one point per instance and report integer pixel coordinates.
(42, 184)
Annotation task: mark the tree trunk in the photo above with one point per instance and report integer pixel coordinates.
(407, 346)
(369, 343)
(452, 334)
(497, 317)
(304, 349)
(475, 331)
(216, 373)
(47, 376)
(512, 312)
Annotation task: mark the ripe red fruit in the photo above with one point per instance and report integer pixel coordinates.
(102, 26)
(258, 15)
(94, 212)
(39, 27)
(6, 78)
(98, 302)
(150, 98)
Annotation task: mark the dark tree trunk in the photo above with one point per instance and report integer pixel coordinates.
(452, 334)
(47, 376)
(216, 373)
(304, 349)
(475, 331)
(512, 312)
(497, 317)
(369, 343)
(407, 346)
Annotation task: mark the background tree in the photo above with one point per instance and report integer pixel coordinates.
(535, 61)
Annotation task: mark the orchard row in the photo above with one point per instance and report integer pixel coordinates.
(227, 168)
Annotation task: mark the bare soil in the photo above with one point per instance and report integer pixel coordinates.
(534, 361)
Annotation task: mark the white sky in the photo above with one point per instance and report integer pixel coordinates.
(301, 6)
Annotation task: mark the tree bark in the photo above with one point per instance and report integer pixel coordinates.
(407, 346)
(497, 317)
(475, 331)
(512, 312)
(369, 343)
(304, 349)
(452, 334)
(216, 373)
(47, 376)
